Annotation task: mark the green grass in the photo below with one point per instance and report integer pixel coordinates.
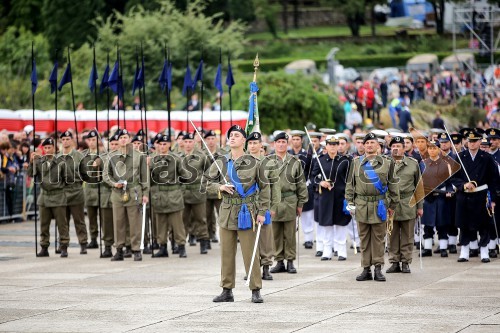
(329, 31)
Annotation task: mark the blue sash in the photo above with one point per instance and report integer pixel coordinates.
(244, 217)
(375, 180)
(344, 208)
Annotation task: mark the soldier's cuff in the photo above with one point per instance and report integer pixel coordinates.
(261, 212)
(300, 205)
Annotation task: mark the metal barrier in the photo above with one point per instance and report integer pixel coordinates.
(23, 198)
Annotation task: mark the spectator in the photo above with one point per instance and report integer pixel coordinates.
(9, 169)
(438, 122)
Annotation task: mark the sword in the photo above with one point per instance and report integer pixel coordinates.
(354, 235)
(143, 225)
(297, 222)
(420, 240)
(458, 155)
(316, 155)
(247, 283)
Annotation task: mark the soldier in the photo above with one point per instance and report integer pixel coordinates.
(372, 195)
(331, 198)
(293, 197)
(179, 142)
(401, 238)
(213, 201)
(409, 149)
(126, 172)
(195, 162)
(471, 211)
(494, 137)
(91, 189)
(245, 201)
(266, 241)
(75, 199)
(166, 196)
(50, 172)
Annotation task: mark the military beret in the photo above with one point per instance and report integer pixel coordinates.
(332, 140)
(66, 134)
(485, 142)
(435, 143)
(443, 137)
(493, 133)
(369, 136)
(297, 133)
(180, 135)
(255, 136)
(188, 136)
(396, 139)
(48, 142)
(121, 132)
(164, 138)
(209, 133)
(456, 137)
(91, 134)
(157, 137)
(281, 136)
(137, 138)
(236, 128)
(473, 135)
(114, 137)
(140, 132)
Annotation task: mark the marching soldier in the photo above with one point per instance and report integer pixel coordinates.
(245, 200)
(126, 172)
(331, 198)
(372, 195)
(293, 197)
(51, 173)
(401, 238)
(471, 211)
(75, 199)
(195, 162)
(494, 137)
(166, 197)
(266, 241)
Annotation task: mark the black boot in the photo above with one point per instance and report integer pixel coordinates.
(118, 255)
(437, 250)
(426, 253)
(162, 252)
(394, 268)
(493, 253)
(182, 251)
(215, 239)
(155, 245)
(83, 248)
(58, 250)
(64, 251)
(319, 254)
(265, 273)
(147, 249)
(473, 253)
(308, 245)
(225, 296)
(279, 268)
(290, 268)
(128, 252)
(208, 245)
(174, 247)
(405, 268)
(107, 252)
(444, 253)
(192, 240)
(137, 256)
(93, 244)
(365, 275)
(452, 249)
(44, 252)
(377, 274)
(203, 246)
(256, 298)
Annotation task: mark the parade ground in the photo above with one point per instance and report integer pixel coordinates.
(83, 293)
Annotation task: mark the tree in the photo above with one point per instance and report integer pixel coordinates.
(354, 11)
(267, 12)
(438, 6)
(24, 12)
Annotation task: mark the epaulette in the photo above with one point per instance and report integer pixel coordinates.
(412, 159)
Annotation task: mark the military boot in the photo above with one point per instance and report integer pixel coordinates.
(147, 250)
(156, 246)
(493, 253)
(377, 274)
(426, 253)
(64, 251)
(208, 244)
(203, 246)
(128, 252)
(265, 273)
(44, 252)
(405, 268)
(279, 268)
(93, 244)
(473, 253)
(365, 275)
(137, 256)
(215, 239)
(118, 255)
(192, 240)
(174, 247)
(452, 249)
(107, 252)
(182, 251)
(225, 296)
(394, 268)
(444, 253)
(162, 252)
(256, 298)
(83, 248)
(290, 268)
(58, 250)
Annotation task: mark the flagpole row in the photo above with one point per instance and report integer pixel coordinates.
(34, 85)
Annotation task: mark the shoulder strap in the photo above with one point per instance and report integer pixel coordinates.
(373, 177)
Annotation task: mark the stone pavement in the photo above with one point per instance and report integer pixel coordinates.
(86, 294)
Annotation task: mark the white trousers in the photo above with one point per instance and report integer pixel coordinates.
(307, 221)
(340, 240)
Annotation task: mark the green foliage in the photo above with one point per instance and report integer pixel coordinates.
(288, 101)
(241, 10)
(466, 114)
(25, 13)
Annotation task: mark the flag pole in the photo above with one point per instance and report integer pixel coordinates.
(220, 99)
(33, 70)
(73, 100)
(187, 95)
(55, 147)
(118, 90)
(230, 95)
(140, 88)
(169, 107)
(121, 89)
(201, 91)
(108, 101)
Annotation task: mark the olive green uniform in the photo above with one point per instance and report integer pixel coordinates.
(401, 239)
(361, 193)
(294, 195)
(249, 172)
(130, 167)
(51, 174)
(90, 190)
(106, 209)
(166, 196)
(213, 203)
(75, 199)
(195, 196)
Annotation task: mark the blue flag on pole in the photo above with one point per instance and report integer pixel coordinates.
(114, 78)
(187, 81)
(198, 76)
(53, 78)
(229, 78)
(140, 76)
(163, 79)
(169, 77)
(218, 80)
(66, 78)
(136, 84)
(34, 78)
(105, 78)
(93, 78)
